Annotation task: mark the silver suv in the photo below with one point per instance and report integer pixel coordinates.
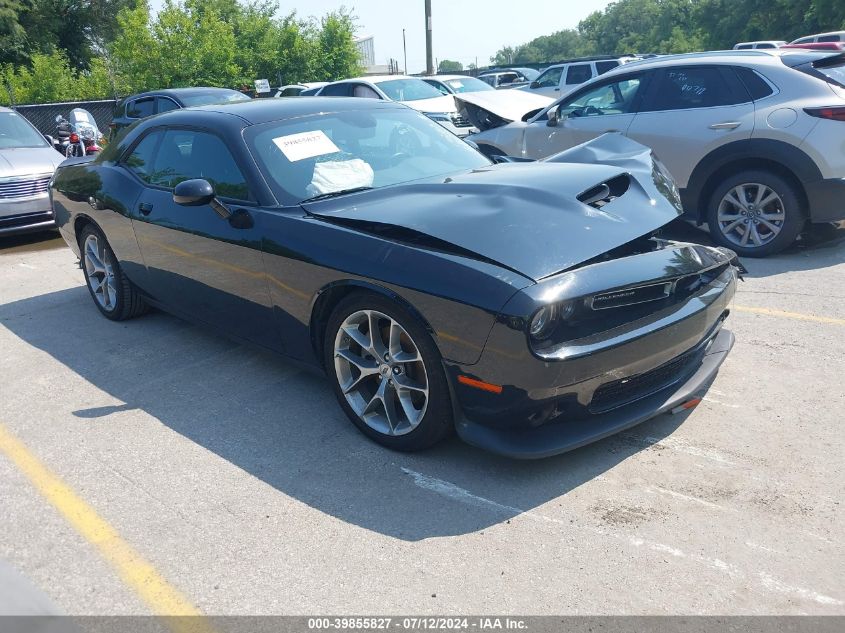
(563, 78)
(753, 138)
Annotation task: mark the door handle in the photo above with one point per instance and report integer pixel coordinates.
(145, 208)
(727, 125)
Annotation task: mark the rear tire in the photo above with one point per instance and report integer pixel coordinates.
(113, 294)
(755, 213)
(392, 386)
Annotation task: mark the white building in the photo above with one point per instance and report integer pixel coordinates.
(367, 50)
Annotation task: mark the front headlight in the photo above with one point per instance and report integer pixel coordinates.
(438, 116)
(546, 319)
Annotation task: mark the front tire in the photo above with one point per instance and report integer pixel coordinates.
(387, 374)
(113, 294)
(755, 213)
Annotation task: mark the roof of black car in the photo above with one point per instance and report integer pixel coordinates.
(179, 92)
(273, 109)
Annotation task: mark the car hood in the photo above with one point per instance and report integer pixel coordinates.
(509, 105)
(436, 104)
(526, 217)
(26, 161)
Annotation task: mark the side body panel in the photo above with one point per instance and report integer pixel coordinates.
(104, 195)
(456, 298)
(200, 264)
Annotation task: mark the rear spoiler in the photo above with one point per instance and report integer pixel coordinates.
(817, 59)
(836, 59)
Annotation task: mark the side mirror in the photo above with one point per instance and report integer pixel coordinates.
(534, 85)
(198, 192)
(553, 118)
(50, 139)
(472, 144)
(58, 118)
(193, 193)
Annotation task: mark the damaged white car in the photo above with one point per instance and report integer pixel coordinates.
(495, 108)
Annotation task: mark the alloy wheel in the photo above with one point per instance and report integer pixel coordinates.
(751, 215)
(99, 272)
(381, 372)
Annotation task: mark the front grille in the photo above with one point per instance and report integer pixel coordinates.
(459, 121)
(621, 392)
(24, 188)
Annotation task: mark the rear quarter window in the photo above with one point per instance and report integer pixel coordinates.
(757, 87)
(603, 67)
(578, 74)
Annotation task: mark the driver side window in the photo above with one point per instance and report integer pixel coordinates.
(613, 98)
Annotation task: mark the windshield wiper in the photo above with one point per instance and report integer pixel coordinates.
(334, 194)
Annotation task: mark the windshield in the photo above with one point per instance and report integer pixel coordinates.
(15, 131)
(83, 122)
(467, 84)
(529, 73)
(324, 153)
(408, 89)
(209, 98)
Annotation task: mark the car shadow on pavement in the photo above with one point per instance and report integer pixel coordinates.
(283, 425)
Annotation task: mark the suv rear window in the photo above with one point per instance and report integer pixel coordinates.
(831, 70)
(834, 74)
(578, 74)
(754, 83)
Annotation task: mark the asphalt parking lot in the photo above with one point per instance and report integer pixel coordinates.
(235, 483)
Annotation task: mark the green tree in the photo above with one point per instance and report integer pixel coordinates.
(449, 66)
(13, 42)
(338, 57)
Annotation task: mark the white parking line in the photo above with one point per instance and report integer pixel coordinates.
(765, 580)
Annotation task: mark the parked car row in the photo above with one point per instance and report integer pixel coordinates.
(714, 118)
(528, 306)
(810, 41)
(752, 138)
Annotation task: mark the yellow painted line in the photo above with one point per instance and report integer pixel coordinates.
(162, 598)
(789, 315)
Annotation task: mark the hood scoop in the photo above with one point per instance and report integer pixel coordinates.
(605, 192)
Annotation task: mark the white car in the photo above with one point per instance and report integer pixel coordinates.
(561, 79)
(456, 84)
(833, 36)
(410, 91)
(745, 46)
(294, 90)
(753, 138)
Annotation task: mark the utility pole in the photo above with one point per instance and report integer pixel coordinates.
(429, 56)
(405, 50)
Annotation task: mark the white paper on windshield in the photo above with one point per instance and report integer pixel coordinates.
(81, 115)
(305, 145)
(457, 84)
(338, 175)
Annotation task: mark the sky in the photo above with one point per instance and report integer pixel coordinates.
(463, 30)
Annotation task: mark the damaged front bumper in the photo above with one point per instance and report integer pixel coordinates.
(576, 392)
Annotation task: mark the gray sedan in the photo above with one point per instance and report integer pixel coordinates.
(27, 163)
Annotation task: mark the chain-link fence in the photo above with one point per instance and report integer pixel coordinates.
(43, 115)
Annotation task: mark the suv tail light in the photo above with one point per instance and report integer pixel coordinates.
(834, 114)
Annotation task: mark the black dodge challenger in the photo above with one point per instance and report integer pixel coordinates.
(530, 306)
